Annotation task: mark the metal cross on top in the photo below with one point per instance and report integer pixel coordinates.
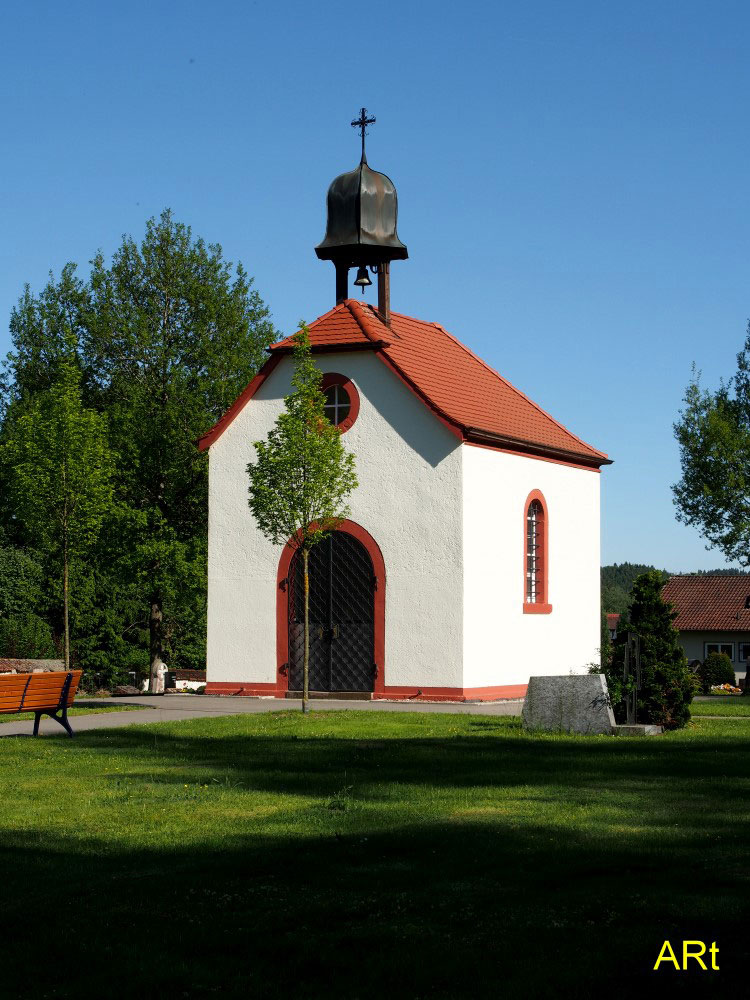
(361, 123)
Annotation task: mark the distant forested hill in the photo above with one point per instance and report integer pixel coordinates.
(617, 581)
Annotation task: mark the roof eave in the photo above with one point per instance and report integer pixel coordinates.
(480, 436)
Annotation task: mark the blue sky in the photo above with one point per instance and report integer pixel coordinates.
(572, 177)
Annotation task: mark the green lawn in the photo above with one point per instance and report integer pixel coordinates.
(85, 709)
(721, 705)
(361, 855)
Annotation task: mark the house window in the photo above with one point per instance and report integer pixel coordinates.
(536, 549)
(341, 400)
(744, 652)
(720, 647)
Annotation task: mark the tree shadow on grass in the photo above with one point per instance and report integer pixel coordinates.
(446, 910)
(470, 896)
(299, 765)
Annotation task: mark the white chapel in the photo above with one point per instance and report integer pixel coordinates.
(470, 561)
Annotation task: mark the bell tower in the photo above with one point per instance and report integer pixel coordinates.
(361, 227)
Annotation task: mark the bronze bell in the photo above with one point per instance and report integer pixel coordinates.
(363, 278)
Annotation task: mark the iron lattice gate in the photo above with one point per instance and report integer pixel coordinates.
(342, 616)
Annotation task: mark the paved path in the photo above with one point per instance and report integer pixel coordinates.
(174, 707)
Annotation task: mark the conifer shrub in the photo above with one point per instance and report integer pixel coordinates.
(666, 679)
(717, 669)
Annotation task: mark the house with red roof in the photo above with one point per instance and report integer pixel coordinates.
(713, 616)
(470, 560)
(613, 620)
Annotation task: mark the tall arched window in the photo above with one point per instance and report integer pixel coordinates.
(536, 548)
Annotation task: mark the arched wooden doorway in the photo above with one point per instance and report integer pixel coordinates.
(347, 604)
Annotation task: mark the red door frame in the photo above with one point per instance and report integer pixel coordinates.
(282, 608)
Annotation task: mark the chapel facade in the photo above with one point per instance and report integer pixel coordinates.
(470, 560)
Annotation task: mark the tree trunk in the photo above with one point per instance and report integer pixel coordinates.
(306, 656)
(66, 615)
(156, 677)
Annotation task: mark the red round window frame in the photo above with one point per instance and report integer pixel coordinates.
(333, 378)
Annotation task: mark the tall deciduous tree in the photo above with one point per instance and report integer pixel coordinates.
(61, 472)
(172, 338)
(302, 476)
(166, 336)
(714, 437)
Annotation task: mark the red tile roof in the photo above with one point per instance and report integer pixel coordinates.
(23, 666)
(710, 603)
(350, 324)
(472, 398)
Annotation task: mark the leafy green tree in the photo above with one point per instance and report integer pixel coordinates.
(26, 636)
(20, 581)
(23, 631)
(165, 337)
(61, 471)
(713, 432)
(44, 328)
(714, 437)
(302, 475)
(172, 337)
(666, 680)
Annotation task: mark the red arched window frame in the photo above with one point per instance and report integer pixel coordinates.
(333, 378)
(536, 555)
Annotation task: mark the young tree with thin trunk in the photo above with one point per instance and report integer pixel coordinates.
(302, 476)
(60, 474)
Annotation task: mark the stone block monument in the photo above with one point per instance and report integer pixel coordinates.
(572, 703)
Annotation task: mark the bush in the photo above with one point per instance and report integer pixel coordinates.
(28, 637)
(666, 679)
(717, 669)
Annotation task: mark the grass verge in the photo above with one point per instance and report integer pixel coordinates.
(77, 710)
(728, 705)
(363, 855)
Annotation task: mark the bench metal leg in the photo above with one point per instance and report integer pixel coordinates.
(63, 720)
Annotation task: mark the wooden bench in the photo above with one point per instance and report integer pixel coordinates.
(47, 693)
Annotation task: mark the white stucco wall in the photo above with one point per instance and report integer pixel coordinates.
(502, 645)
(409, 500)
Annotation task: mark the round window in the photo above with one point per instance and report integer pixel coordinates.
(338, 404)
(342, 400)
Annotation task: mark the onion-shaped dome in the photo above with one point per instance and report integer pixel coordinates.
(362, 214)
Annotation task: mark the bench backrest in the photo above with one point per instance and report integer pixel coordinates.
(33, 692)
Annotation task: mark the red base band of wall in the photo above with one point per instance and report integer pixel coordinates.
(504, 692)
(249, 689)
